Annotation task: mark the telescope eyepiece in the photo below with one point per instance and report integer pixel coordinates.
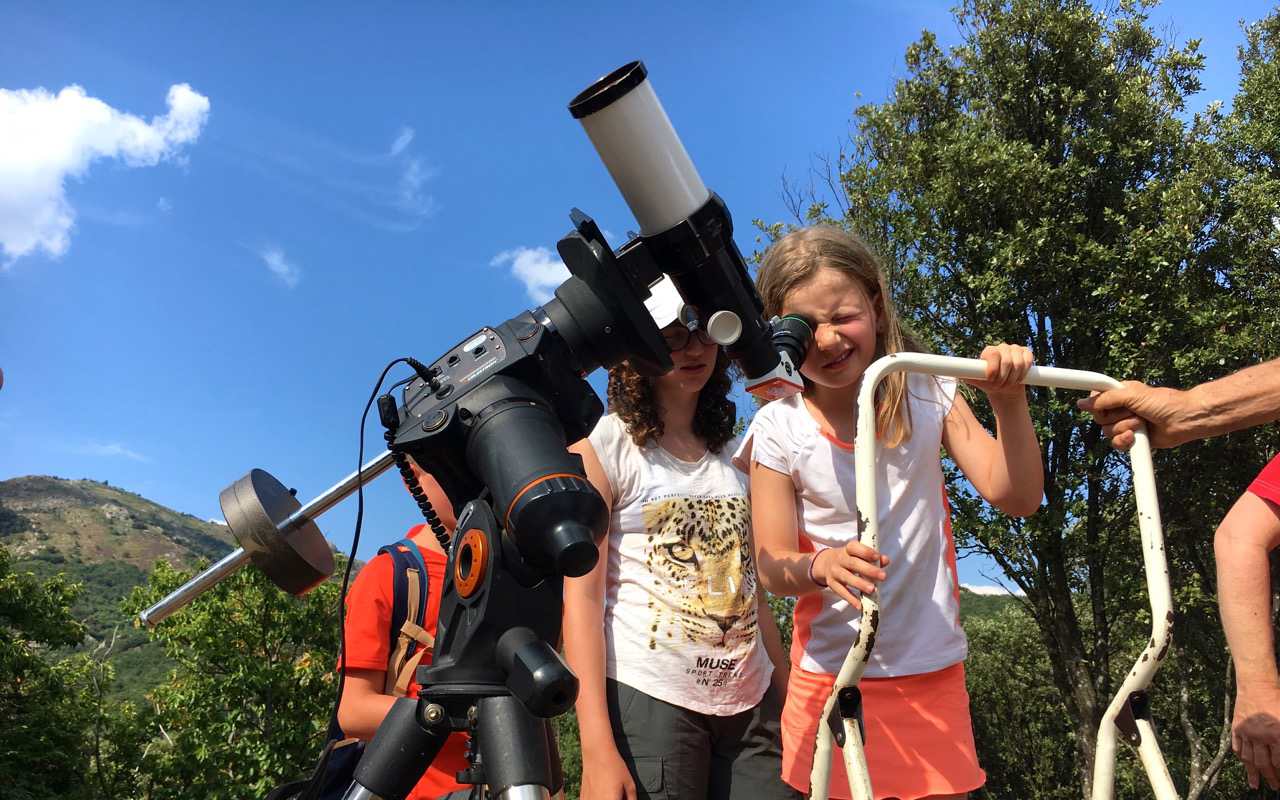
(793, 335)
(574, 548)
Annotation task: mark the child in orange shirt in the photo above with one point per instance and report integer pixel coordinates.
(366, 697)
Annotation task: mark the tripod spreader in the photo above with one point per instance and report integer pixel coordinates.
(518, 759)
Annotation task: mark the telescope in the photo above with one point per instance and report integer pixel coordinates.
(491, 418)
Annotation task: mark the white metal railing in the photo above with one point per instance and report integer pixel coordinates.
(1127, 709)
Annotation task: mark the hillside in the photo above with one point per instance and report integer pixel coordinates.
(94, 523)
(105, 539)
(973, 604)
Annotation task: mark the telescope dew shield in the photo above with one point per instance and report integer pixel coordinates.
(635, 140)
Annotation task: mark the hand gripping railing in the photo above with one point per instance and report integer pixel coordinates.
(1127, 714)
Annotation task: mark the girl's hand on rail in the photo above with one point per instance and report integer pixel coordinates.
(849, 571)
(1007, 367)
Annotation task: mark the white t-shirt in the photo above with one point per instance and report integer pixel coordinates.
(919, 628)
(680, 597)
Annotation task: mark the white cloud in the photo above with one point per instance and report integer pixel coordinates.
(998, 591)
(288, 272)
(539, 269)
(403, 138)
(47, 138)
(164, 206)
(111, 450)
(218, 521)
(412, 200)
(388, 189)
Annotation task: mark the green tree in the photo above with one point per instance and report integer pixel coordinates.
(114, 733)
(569, 743)
(40, 754)
(1249, 236)
(1019, 723)
(247, 706)
(1044, 183)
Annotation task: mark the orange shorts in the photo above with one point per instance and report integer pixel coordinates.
(919, 735)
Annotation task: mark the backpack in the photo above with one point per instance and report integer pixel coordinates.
(335, 769)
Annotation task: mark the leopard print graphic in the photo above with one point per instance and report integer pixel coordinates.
(699, 552)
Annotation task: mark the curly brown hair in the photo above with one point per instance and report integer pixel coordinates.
(631, 397)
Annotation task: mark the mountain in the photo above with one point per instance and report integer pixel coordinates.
(94, 523)
(983, 604)
(106, 539)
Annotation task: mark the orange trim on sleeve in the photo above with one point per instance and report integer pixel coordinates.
(807, 607)
(951, 551)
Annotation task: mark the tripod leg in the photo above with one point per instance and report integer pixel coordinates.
(400, 752)
(514, 749)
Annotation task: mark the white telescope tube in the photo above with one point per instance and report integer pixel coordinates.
(635, 140)
(866, 449)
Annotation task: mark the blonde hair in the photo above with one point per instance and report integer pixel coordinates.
(794, 260)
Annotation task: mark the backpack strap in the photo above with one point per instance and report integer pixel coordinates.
(408, 639)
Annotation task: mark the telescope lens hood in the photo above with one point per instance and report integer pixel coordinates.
(608, 90)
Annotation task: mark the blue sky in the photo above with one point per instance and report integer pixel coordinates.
(201, 280)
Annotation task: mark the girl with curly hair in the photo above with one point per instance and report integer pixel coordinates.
(672, 642)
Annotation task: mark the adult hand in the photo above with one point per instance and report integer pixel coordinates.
(606, 777)
(850, 570)
(1007, 367)
(1168, 414)
(1255, 733)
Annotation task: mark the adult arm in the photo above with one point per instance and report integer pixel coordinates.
(783, 568)
(1244, 540)
(1173, 417)
(604, 774)
(1005, 469)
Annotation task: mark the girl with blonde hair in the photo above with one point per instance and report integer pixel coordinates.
(799, 453)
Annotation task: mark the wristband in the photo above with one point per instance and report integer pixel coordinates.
(812, 577)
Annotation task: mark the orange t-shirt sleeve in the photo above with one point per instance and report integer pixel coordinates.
(368, 625)
(369, 616)
(1267, 484)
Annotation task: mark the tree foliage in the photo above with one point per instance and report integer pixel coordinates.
(247, 705)
(1044, 182)
(40, 754)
